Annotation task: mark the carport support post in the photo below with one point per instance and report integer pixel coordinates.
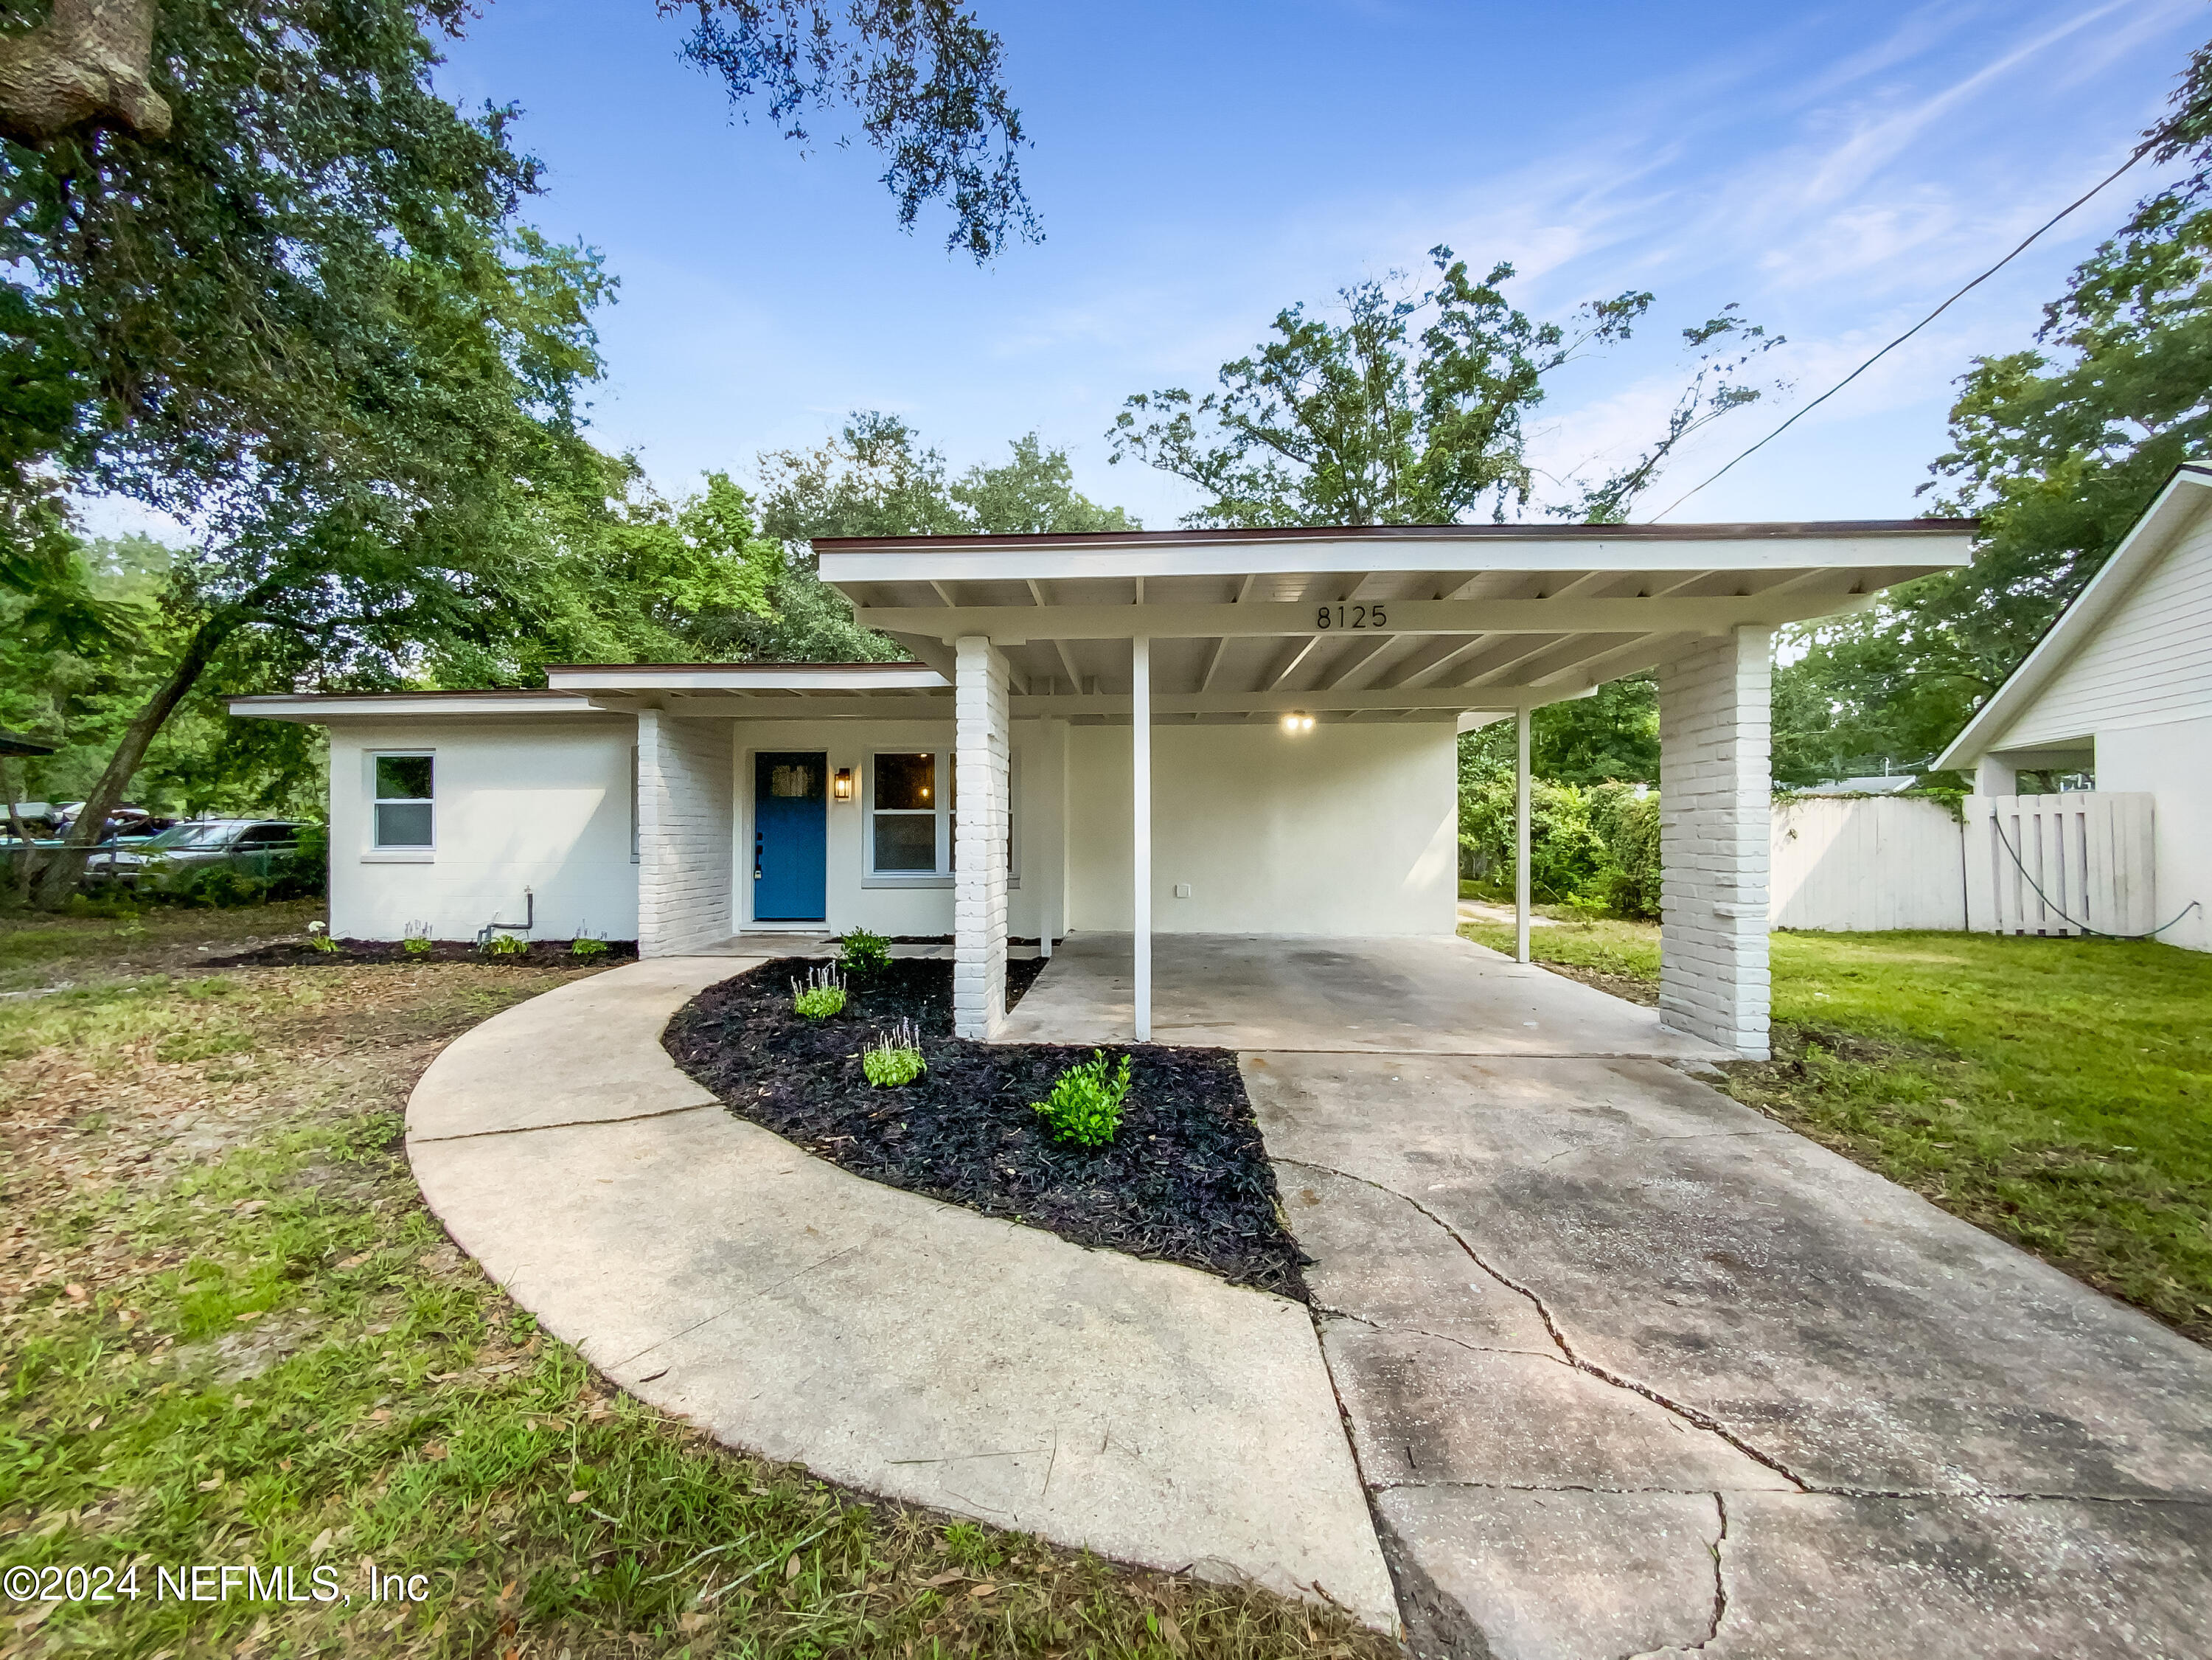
(1141, 831)
(1520, 835)
(1715, 812)
(981, 752)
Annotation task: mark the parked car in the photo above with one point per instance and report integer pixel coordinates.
(252, 847)
(127, 828)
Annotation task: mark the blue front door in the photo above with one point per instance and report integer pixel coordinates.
(791, 837)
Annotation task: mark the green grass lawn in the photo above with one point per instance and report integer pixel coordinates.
(230, 1333)
(2057, 1092)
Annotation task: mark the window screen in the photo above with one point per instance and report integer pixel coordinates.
(905, 814)
(404, 798)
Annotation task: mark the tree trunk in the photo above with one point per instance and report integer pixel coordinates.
(25, 862)
(58, 875)
(90, 62)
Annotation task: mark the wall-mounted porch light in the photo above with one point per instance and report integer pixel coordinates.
(842, 785)
(1297, 723)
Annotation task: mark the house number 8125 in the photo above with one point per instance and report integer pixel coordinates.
(1351, 617)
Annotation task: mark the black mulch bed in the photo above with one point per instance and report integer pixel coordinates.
(1186, 1180)
(297, 953)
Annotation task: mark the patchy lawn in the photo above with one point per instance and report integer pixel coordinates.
(2057, 1092)
(231, 1334)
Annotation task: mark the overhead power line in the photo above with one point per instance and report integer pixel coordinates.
(2134, 156)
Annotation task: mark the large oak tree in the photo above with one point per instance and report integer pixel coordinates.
(270, 283)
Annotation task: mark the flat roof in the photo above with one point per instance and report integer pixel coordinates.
(1383, 622)
(1744, 531)
(1371, 620)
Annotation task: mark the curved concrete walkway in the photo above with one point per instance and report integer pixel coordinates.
(885, 1341)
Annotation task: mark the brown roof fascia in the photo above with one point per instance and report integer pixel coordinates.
(569, 668)
(461, 691)
(1804, 530)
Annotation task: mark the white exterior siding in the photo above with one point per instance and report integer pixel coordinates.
(541, 804)
(2148, 663)
(1349, 829)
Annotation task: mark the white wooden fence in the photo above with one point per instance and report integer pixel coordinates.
(1854, 863)
(2074, 863)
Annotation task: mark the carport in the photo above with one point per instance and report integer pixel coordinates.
(1380, 626)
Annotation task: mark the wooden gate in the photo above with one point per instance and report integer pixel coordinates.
(2073, 863)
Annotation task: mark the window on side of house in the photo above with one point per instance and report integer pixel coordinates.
(403, 804)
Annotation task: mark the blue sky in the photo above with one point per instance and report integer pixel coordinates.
(1836, 169)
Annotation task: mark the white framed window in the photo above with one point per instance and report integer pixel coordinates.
(911, 812)
(910, 815)
(404, 801)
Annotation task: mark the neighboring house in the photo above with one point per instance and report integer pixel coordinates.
(1224, 732)
(2120, 689)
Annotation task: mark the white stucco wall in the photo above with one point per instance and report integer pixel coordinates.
(1349, 829)
(541, 802)
(1036, 895)
(2173, 762)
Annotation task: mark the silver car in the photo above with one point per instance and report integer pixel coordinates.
(250, 846)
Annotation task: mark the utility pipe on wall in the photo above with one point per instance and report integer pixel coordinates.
(1520, 835)
(1140, 798)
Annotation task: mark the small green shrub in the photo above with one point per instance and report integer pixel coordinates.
(1084, 1106)
(1629, 882)
(894, 1058)
(416, 941)
(318, 938)
(584, 945)
(860, 952)
(216, 887)
(820, 995)
(506, 945)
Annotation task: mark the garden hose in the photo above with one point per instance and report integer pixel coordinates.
(2051, 906)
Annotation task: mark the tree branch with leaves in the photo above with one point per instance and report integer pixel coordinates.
(1366, 423)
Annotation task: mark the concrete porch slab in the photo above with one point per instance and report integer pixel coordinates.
(884, 1341)
(1410, 994)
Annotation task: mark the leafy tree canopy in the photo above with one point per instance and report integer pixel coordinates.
(1611, 736)
(1412, 410)
(305, 325)
(923, 75)
(2057, 448)
(877, 477)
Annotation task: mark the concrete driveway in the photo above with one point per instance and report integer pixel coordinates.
(1632, 1370)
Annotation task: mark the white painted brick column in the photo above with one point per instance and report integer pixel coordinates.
(686, 833)
(981, 805)
(1716, 794)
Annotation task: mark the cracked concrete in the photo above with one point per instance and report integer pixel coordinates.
(1631, 1371)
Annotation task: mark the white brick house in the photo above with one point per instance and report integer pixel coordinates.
(1247, 732)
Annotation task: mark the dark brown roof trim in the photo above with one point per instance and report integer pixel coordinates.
(1753, 531)
(570, 668)
(434, 691)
